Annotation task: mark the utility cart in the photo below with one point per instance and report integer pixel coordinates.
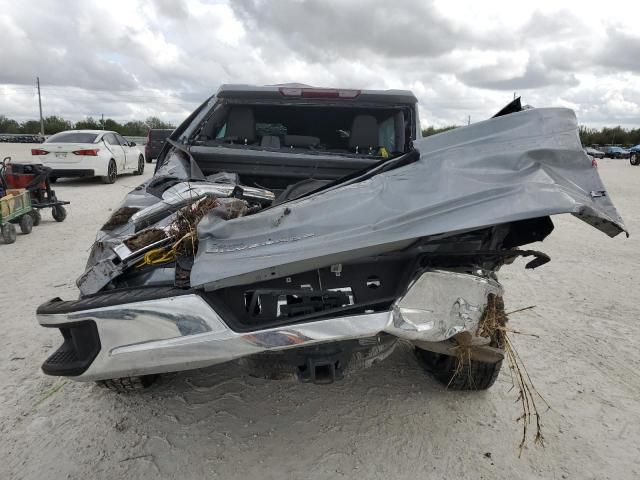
(15, 208)
(34, 178)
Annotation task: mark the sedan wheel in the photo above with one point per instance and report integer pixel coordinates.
(633, 159)
(112, 172)
(140, 169)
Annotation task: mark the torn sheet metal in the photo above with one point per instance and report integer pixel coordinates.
(524, 165)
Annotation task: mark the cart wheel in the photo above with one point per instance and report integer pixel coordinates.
(26, 224)
(59, 213)
(9, 232)
(37, 218)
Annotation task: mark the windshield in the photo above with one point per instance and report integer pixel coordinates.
(73, 137)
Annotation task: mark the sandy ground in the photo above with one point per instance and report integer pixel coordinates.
(391, 421)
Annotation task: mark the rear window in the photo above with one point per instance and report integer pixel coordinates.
(73, 137)
(159, 134)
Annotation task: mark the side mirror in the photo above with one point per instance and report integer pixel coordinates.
(132, 144)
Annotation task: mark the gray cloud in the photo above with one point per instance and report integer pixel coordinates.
(358, 29)
(164, 57)
(536, 75)
(621, 51)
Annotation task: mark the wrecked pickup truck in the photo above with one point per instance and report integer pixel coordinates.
(305, 231)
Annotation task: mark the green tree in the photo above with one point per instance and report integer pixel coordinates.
(8, 125)
(88, 123)
(55, 124)
(30, 126)
(135, 128)
(427, 132)
(111, 124)
(155, 122)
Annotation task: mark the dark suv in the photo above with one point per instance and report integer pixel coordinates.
(155, 141)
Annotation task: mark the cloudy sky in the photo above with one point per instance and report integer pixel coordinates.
(129, 59)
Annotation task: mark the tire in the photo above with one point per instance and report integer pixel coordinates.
(9, 233)
(140, 169)
(633, 159)
(26, 224)
(472, 375)
(112, 172)
(457, 374)
(53, 179)
(148, 160)
(37, 217)
(59, 213)
(129, 384)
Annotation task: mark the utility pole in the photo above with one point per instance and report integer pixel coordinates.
(40, 105)
(102, 120)
(514, 95)
(469, 120)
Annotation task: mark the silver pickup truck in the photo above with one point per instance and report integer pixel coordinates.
(305, 231)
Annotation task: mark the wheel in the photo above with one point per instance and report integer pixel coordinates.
(467, 374)
(9, 232)
(26, 224)
(140, 169)
(59, 213)
(471, 375)
(633, 159)
(149, 160)
(53, 179)
(112, 172)
(37, 218)
(129, 384)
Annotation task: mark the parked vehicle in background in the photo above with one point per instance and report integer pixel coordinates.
(21, 138)
(594, 152)
(90, 153)
(615, 152)
(634, 155)
(155, 142)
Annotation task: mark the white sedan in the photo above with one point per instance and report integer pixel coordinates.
(90, 153)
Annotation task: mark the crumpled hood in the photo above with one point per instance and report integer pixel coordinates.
(524, 165)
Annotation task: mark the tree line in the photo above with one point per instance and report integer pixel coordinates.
(588, 136)
(55, 124)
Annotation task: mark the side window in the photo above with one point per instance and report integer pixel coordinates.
(222, 132)
(387, 134)
(122, 140)
(110, 139)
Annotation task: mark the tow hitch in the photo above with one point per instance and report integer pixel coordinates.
(322, 370)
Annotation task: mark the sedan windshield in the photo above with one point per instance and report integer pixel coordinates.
(73, 137)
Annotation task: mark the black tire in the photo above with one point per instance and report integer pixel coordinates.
(467, 374)
(633, 159)
(129, 384)
(59, 213)
(149, 160)
(9, 233)
(471, 375)
(112, 172)
(53, 179)
(26, 224)
(37, 217)
(140, 169)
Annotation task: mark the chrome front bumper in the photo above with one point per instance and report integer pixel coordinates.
(184, 332)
